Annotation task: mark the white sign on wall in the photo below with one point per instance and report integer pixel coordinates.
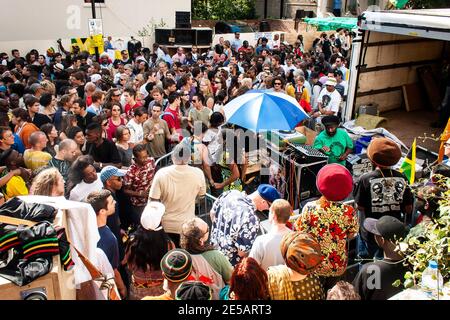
(95, 27)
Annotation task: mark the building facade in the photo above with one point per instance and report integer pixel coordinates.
(37, 25)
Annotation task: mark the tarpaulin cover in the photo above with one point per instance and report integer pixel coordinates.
(332, 23)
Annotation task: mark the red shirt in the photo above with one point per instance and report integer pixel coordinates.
(171, 117)
(140, 179)
(112, 128)
(129, 110)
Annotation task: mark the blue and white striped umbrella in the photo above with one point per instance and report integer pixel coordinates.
(259, 110)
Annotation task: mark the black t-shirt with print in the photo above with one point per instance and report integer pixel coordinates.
(374, 281)
(382, 193)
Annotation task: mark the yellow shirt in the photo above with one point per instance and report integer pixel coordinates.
(290, 90)
(15, 187)
(36, 159)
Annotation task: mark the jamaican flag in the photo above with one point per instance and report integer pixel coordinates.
(409, 164)
(88, 44)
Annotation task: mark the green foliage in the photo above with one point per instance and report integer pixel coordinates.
(223, 9)
(432, 244)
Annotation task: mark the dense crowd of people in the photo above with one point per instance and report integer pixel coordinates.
(93, 131)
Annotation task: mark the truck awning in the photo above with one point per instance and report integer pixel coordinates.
(425, 23)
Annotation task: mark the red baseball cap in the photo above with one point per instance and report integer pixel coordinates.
(334, 182)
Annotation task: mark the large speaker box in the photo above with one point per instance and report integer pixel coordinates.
(162, 36)
(204, 37)
(182, 19)
(184, 36)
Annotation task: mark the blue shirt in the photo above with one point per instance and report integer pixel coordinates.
(18, 144)
(337, 4)
(108, 243)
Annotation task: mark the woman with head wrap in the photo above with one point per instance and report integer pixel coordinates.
(295, 280)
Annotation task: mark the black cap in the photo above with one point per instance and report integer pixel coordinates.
(330, 120)
(388, 227)
(193, 290)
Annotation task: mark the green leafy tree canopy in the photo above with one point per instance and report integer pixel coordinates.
(223, 9)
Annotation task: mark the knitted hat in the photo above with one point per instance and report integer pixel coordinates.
(334, 182)
(268, 193)
(176, 265)
(384, 152)
(301, 252)
(193, 290)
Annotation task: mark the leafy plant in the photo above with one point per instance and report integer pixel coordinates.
(149, 29)
(432, 244)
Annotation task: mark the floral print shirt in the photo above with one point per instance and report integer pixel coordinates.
(331, 223)
(140, 178)
(235, 224)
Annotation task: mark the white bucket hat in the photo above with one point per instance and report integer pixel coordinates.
(151, 216)
(331, 82)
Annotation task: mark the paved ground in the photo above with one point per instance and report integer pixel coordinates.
(408, 125)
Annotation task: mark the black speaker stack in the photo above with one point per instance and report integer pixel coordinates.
(182, 19)
(184, 36)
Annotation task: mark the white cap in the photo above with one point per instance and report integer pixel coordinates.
(151, 216)
(59, 66)
(96, 77)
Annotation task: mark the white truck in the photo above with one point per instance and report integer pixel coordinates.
(398, 54)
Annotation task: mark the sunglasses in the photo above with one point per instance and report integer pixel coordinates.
(277, 83)
(218, 82)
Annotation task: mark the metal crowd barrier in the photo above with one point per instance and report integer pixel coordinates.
(164, 161)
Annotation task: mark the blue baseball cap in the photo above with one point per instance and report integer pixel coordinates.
(268, 193)
(109, 172)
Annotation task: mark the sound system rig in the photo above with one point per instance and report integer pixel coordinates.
(301, 164)
(306, 154)
(183, 34)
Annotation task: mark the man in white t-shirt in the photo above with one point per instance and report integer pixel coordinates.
(328, 102)
(177, 187)
(83, 170)
(266, 248)
(136, 125)
(289, 66)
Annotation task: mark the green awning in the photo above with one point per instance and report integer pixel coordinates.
(332, 23)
